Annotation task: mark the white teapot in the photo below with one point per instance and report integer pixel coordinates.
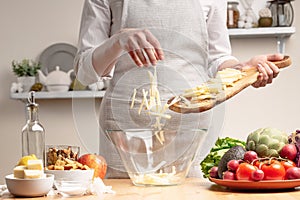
(56, 80)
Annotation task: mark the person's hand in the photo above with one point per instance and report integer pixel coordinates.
(267, 70)
(141, 45)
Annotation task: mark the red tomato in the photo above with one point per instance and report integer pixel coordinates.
(244, 171)
(273, 170)
(287, 164)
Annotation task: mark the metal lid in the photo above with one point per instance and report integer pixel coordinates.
(31, 100)
(280, 1)
(232, 1)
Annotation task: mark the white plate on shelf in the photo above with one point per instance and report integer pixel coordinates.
(59, 54)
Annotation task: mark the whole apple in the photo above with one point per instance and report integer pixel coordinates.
(96, 162)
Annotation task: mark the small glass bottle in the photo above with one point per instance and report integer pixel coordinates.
(233, 14)
(33, 133)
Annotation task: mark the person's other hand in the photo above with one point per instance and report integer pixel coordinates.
(142, 46)
(267, 70)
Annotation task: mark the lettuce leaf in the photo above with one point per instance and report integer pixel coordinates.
(222, 145)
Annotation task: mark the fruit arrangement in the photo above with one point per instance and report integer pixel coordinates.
(267, 154)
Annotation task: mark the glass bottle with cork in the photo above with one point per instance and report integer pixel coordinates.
(33, 133)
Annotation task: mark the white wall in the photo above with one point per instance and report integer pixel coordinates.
(275, 105)
(28, 27)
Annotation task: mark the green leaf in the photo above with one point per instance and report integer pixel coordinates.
(25, 68)
(222, 145)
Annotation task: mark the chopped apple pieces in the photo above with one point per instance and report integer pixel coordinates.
(151, 102)
(161, 178)
(209, 90)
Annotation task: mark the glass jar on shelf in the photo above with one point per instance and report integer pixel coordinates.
(265, 18)
(233, 14)
(282, 12)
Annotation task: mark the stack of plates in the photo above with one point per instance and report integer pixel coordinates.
(59, 54)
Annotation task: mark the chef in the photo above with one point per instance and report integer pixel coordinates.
(184, 42)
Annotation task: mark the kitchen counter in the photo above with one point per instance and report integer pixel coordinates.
(192, 189)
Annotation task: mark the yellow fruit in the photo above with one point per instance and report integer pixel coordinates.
(24, 159)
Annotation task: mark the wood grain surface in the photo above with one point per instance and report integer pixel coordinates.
(247, 80)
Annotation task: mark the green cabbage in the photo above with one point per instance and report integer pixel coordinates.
(266, 142)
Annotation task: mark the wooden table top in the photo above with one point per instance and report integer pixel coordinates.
(192, 189)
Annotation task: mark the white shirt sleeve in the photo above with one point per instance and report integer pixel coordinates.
(94, 30)
(219, 43)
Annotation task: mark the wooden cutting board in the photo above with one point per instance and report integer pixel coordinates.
(248, 79)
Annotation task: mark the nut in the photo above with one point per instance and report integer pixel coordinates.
(63, 159)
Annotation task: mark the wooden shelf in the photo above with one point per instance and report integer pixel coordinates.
(280, 33)
(61, 95)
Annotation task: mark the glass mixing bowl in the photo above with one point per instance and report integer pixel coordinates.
(157, 158)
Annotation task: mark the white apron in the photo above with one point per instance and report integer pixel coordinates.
(181, 30)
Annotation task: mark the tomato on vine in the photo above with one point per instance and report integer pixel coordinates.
(273, 170)
(244, 171)
(288, 164)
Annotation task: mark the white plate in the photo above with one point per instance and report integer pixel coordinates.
(59, 54)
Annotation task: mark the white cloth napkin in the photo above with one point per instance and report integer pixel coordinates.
(100, 188)
(3, 190)
(16, 88)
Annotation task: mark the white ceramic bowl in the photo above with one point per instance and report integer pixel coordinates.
(29, 187)
(72, 175)
(58, 88)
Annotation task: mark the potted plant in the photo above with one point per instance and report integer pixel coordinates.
(26, 72)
